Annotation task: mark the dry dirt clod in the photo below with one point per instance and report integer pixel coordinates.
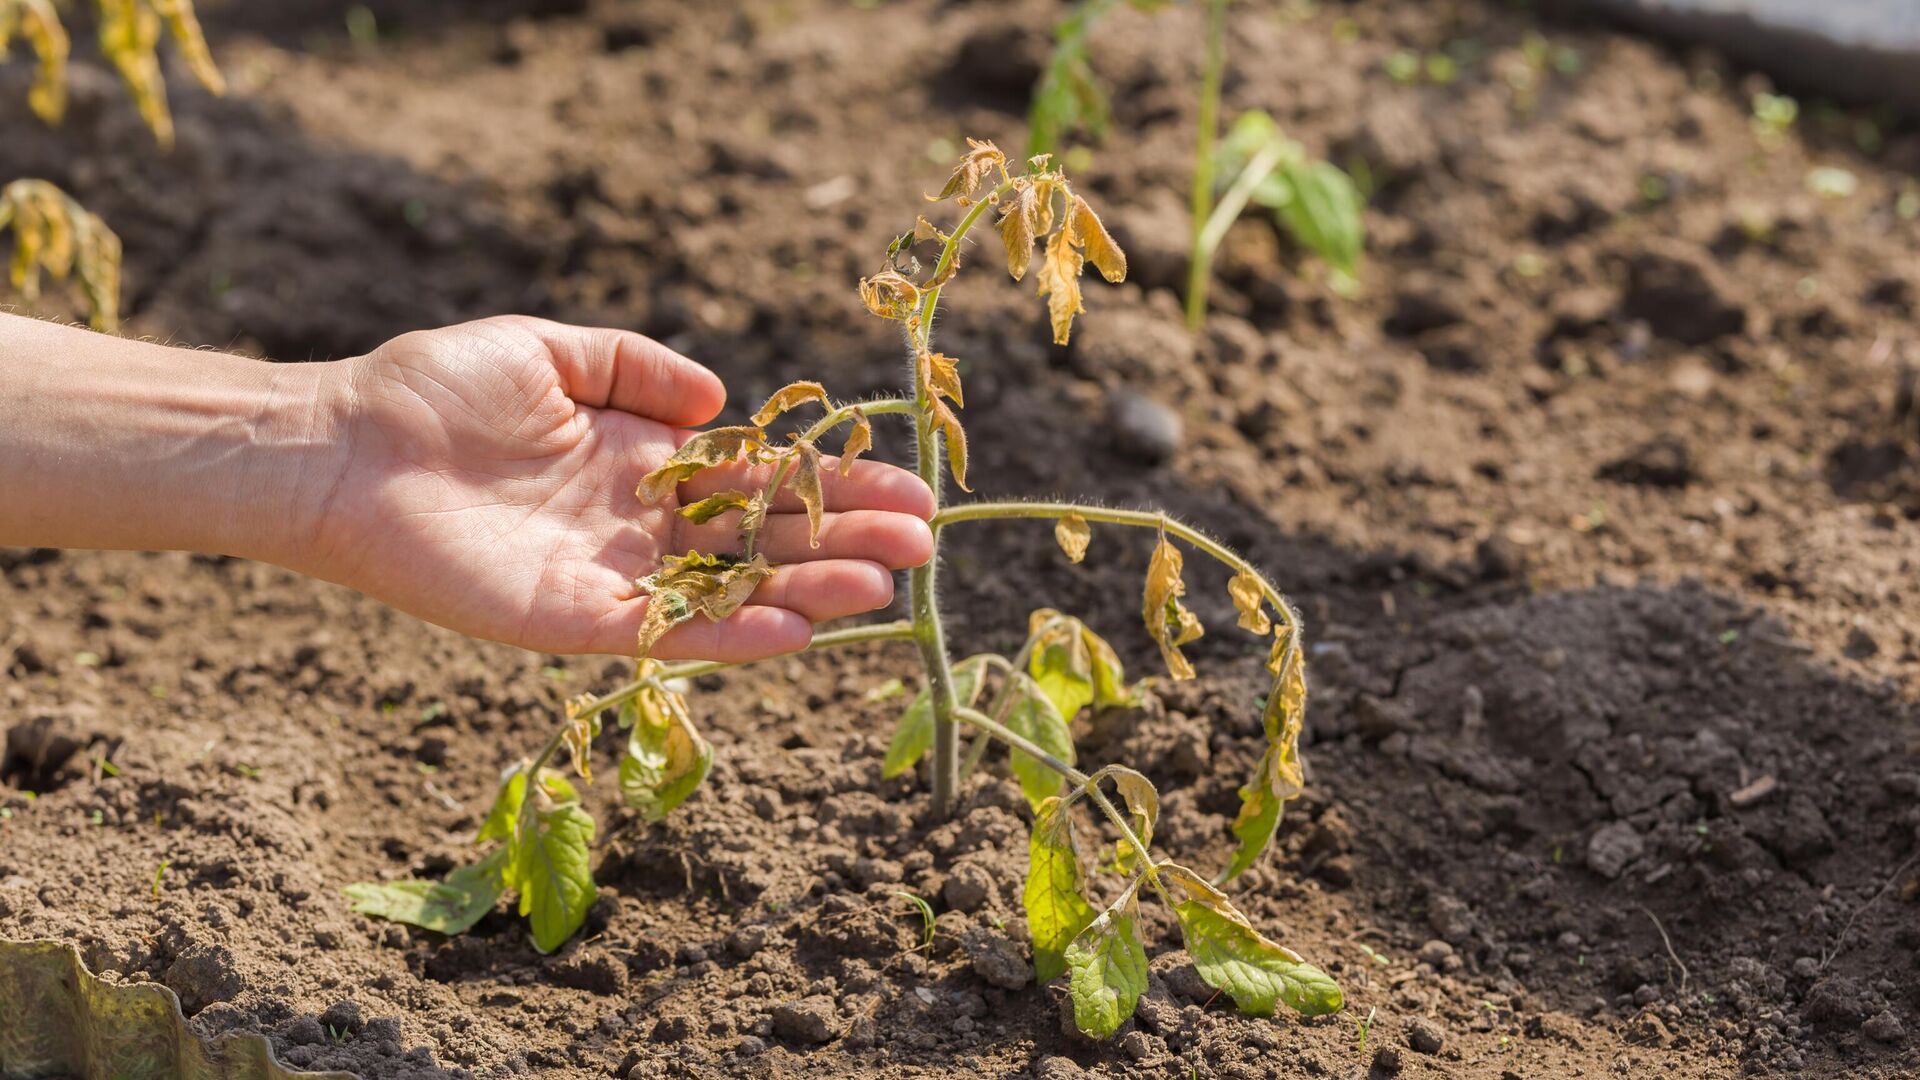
(810, 1020)
(997, 958)
(1425, 1036)
(204, 975)
(1613, 847)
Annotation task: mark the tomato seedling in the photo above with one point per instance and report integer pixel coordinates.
(542, 832)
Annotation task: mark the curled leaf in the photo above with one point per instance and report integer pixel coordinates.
(715, 446)
(1020, 226)
(956, 437)
(1105, 255)
(787, 397)
(1073, 665)
(859, 441)
(1056, 910)
(1248, 599)
(890, 295)
(943, 377)
(666, 758)
(1073, 534)
(1107, 968)
(806, 485)
(755, 516)
(1280, 775)
(1168, 621)
(1143, 801)
(713, 506)
(980, 161)
(55, 234)
(914, 734)
(39, 22)
(578, 736)
(927, 230)
(1060, 282)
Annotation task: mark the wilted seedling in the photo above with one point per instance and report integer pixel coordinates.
(1026, 703)
(55, 234)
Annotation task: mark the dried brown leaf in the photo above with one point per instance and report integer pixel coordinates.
(1060, 282)
(713, 506)
(1073, 534)
(806, 484)
(859, 441)
(1105, 255)
(1020, 226)
(715, 446)
(1168, 621)
(981, 160)
(956, 436)
(696, 584)
(943, 377)
(787, 397)
(1249, 599)
(890, 295)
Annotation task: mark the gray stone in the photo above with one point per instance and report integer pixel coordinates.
(1144, 429)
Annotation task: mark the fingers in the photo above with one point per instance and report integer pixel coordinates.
(619, 369)
(894, 540)
(778, 619)
(831, 589)
(869, 485)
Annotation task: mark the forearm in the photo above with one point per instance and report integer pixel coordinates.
(109, 443)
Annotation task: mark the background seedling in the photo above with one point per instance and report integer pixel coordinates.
(539, 831)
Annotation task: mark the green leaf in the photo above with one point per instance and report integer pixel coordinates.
(451, 906)
(1259, 817)
(914, 735)
(1107, 969)
(666, 762)
(1324, 214)
(1056, 910)
(1032, 714)
(1251, 132)
(1060, 664)
(1233, 957)
(506, 807)
(551, 868)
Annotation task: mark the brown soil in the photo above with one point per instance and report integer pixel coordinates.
(1600, 501)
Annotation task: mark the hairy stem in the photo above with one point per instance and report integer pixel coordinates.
(1140, 519)
(929, 632)
(1198, 270)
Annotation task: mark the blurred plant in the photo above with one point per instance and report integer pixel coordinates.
(1773, 116)
(544, 832)
(55, 234)
(51, 230)
(1313, 201)
(1068, 99)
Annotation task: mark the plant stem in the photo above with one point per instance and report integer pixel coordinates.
(928, 629)
(834, 418)
(1073, 776)
(1198, 269)
(1142, 519)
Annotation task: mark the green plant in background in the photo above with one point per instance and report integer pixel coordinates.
(1313, 201)
(1773, 117)
(1068, 99)
(540, 831)
(52, 232)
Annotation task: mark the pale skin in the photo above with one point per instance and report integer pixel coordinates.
(478, 476)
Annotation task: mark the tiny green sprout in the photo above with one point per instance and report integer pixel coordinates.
(1366, 1027)
(1559, 852)
(926, 917)
(86, 659)
(336, 1034)
(241, 768)
(1441, 69)
(1773, 117)
(434, 711)
(97, 817)
(159, 874)
(536, 841)
(1373, 955)
(557, 674)
(1907, 204)
(1830, 182)
(107, 768)
(1403, 66)
(1729, 636)
(892, 688)
(362, 28)
(6, 813)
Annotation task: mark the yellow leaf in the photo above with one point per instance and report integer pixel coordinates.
(185, 28)
(578, 736)
(1248, 599)
(1019, 226)
(981, 159)
(716, 446)
(129, 36)
(1105, 255)
(859, 440)
(1073, 534)
(40, 23)
(755, 515)
(890, 295)
(788, 397)
(713, 506)
(1170, 624)
(943, 377)
(1060, 282)
(949, 425)
(806, 484)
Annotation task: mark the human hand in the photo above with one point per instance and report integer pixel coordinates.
(484, 481)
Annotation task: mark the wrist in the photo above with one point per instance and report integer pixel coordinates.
(304, 443)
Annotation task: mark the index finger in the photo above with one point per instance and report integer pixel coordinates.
(868, 485)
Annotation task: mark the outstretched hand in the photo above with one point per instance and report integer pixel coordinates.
(485, 482)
